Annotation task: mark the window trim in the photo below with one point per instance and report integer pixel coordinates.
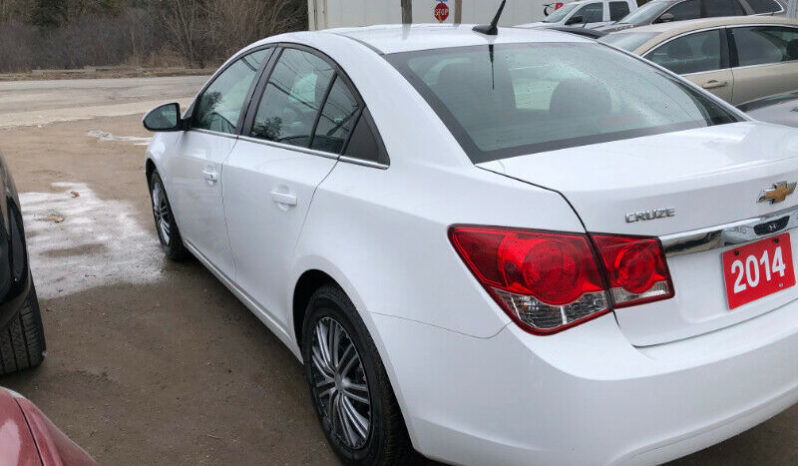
(189, 114)
(725, 49)
(260, 89)
(735, 59)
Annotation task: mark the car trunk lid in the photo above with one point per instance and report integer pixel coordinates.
(679, 187)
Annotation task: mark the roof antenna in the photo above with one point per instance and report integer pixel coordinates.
(492, 28)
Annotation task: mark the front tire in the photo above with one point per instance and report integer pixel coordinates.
(348, 384)
(165, 224)
(22, 343)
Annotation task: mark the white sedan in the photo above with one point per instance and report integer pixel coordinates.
(512, 249)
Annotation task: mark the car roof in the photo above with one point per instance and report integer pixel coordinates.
(665, 31)
(387, 39)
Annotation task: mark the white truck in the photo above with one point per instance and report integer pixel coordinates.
(324, 14)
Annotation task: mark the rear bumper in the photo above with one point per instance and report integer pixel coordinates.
(586, 396)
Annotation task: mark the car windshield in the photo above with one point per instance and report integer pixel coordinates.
(506, 100)
(627, 40)
(645, 14)
(561, 13)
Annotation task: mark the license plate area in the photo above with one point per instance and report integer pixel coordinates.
(758, 269)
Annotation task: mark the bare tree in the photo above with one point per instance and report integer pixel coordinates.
(183, 23)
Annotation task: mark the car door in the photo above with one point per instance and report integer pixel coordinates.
(702, 57)
(297, 127)
(765, 61)
(195, 169)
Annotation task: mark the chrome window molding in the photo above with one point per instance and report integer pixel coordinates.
(280, 145)
(213, 133)
(365, 163)
(730, 234)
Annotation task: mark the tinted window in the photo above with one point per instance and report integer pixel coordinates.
(690, 9)
(219, 107)
(690, 54)
(618, 10)
(627, 40)
(723, 8)
(526, 98)
(591, 13)
(764, 6)
(337, 119)
(645, 13)
(292, 98)
(560, 13)
(365, 143)
(765, 44)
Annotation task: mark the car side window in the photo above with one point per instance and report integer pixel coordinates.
(618, 10)
(694, 53)
(761, 45)
(220, 105)
(336, 120)
(714, 8)
(292, 98)
(365, 143)
(591, 13)
(689, 9)
(764, 6)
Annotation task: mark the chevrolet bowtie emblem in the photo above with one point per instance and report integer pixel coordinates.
(778, 193)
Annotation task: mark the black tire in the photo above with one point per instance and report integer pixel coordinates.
(165, 224)
(22, 343)
(387, 441)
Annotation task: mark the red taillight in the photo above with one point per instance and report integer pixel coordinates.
(547, 282)
(636, 267)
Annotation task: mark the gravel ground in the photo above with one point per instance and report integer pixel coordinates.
(151, 362)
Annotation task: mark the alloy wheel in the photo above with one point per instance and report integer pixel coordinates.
(160, 208)
(340, 385)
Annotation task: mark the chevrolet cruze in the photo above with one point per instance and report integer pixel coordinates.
(518, 248)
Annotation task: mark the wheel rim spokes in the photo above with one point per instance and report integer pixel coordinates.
(160, 208)
(340, 384)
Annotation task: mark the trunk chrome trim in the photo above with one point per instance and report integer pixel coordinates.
(730, 234)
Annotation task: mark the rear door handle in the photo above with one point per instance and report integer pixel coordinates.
(284, 199)
(714, 84)
(211, 175)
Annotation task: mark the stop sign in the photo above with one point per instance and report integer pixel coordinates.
(441, 12)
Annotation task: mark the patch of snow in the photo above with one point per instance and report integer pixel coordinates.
(77, 241)
(106, 136)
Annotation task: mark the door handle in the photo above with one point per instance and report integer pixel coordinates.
(211, 175)
(284, 199)
(714, 84)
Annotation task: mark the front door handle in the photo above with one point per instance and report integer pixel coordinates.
(284, 199)
(714, 84)
(211, 175)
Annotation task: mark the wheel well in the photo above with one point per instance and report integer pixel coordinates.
(308, 283)
(150, 167)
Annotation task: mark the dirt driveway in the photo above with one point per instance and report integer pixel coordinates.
(155, 363)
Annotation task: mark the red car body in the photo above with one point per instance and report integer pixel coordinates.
(29, 438)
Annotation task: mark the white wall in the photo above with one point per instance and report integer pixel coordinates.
(343, 13)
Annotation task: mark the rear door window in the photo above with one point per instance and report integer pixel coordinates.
(689, 9)
(762, 45)
(618, 10)
(591, 13)
(292, 99)
(694, 53)
(336, 120)
(714, 8)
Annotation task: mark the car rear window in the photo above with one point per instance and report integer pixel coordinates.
(764, 6)
(512, 99)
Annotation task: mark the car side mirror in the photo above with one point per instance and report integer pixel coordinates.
(665, 18)
(164, 118)
(574, 20)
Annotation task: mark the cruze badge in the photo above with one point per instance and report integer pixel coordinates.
(778, 193)
(653, 214)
